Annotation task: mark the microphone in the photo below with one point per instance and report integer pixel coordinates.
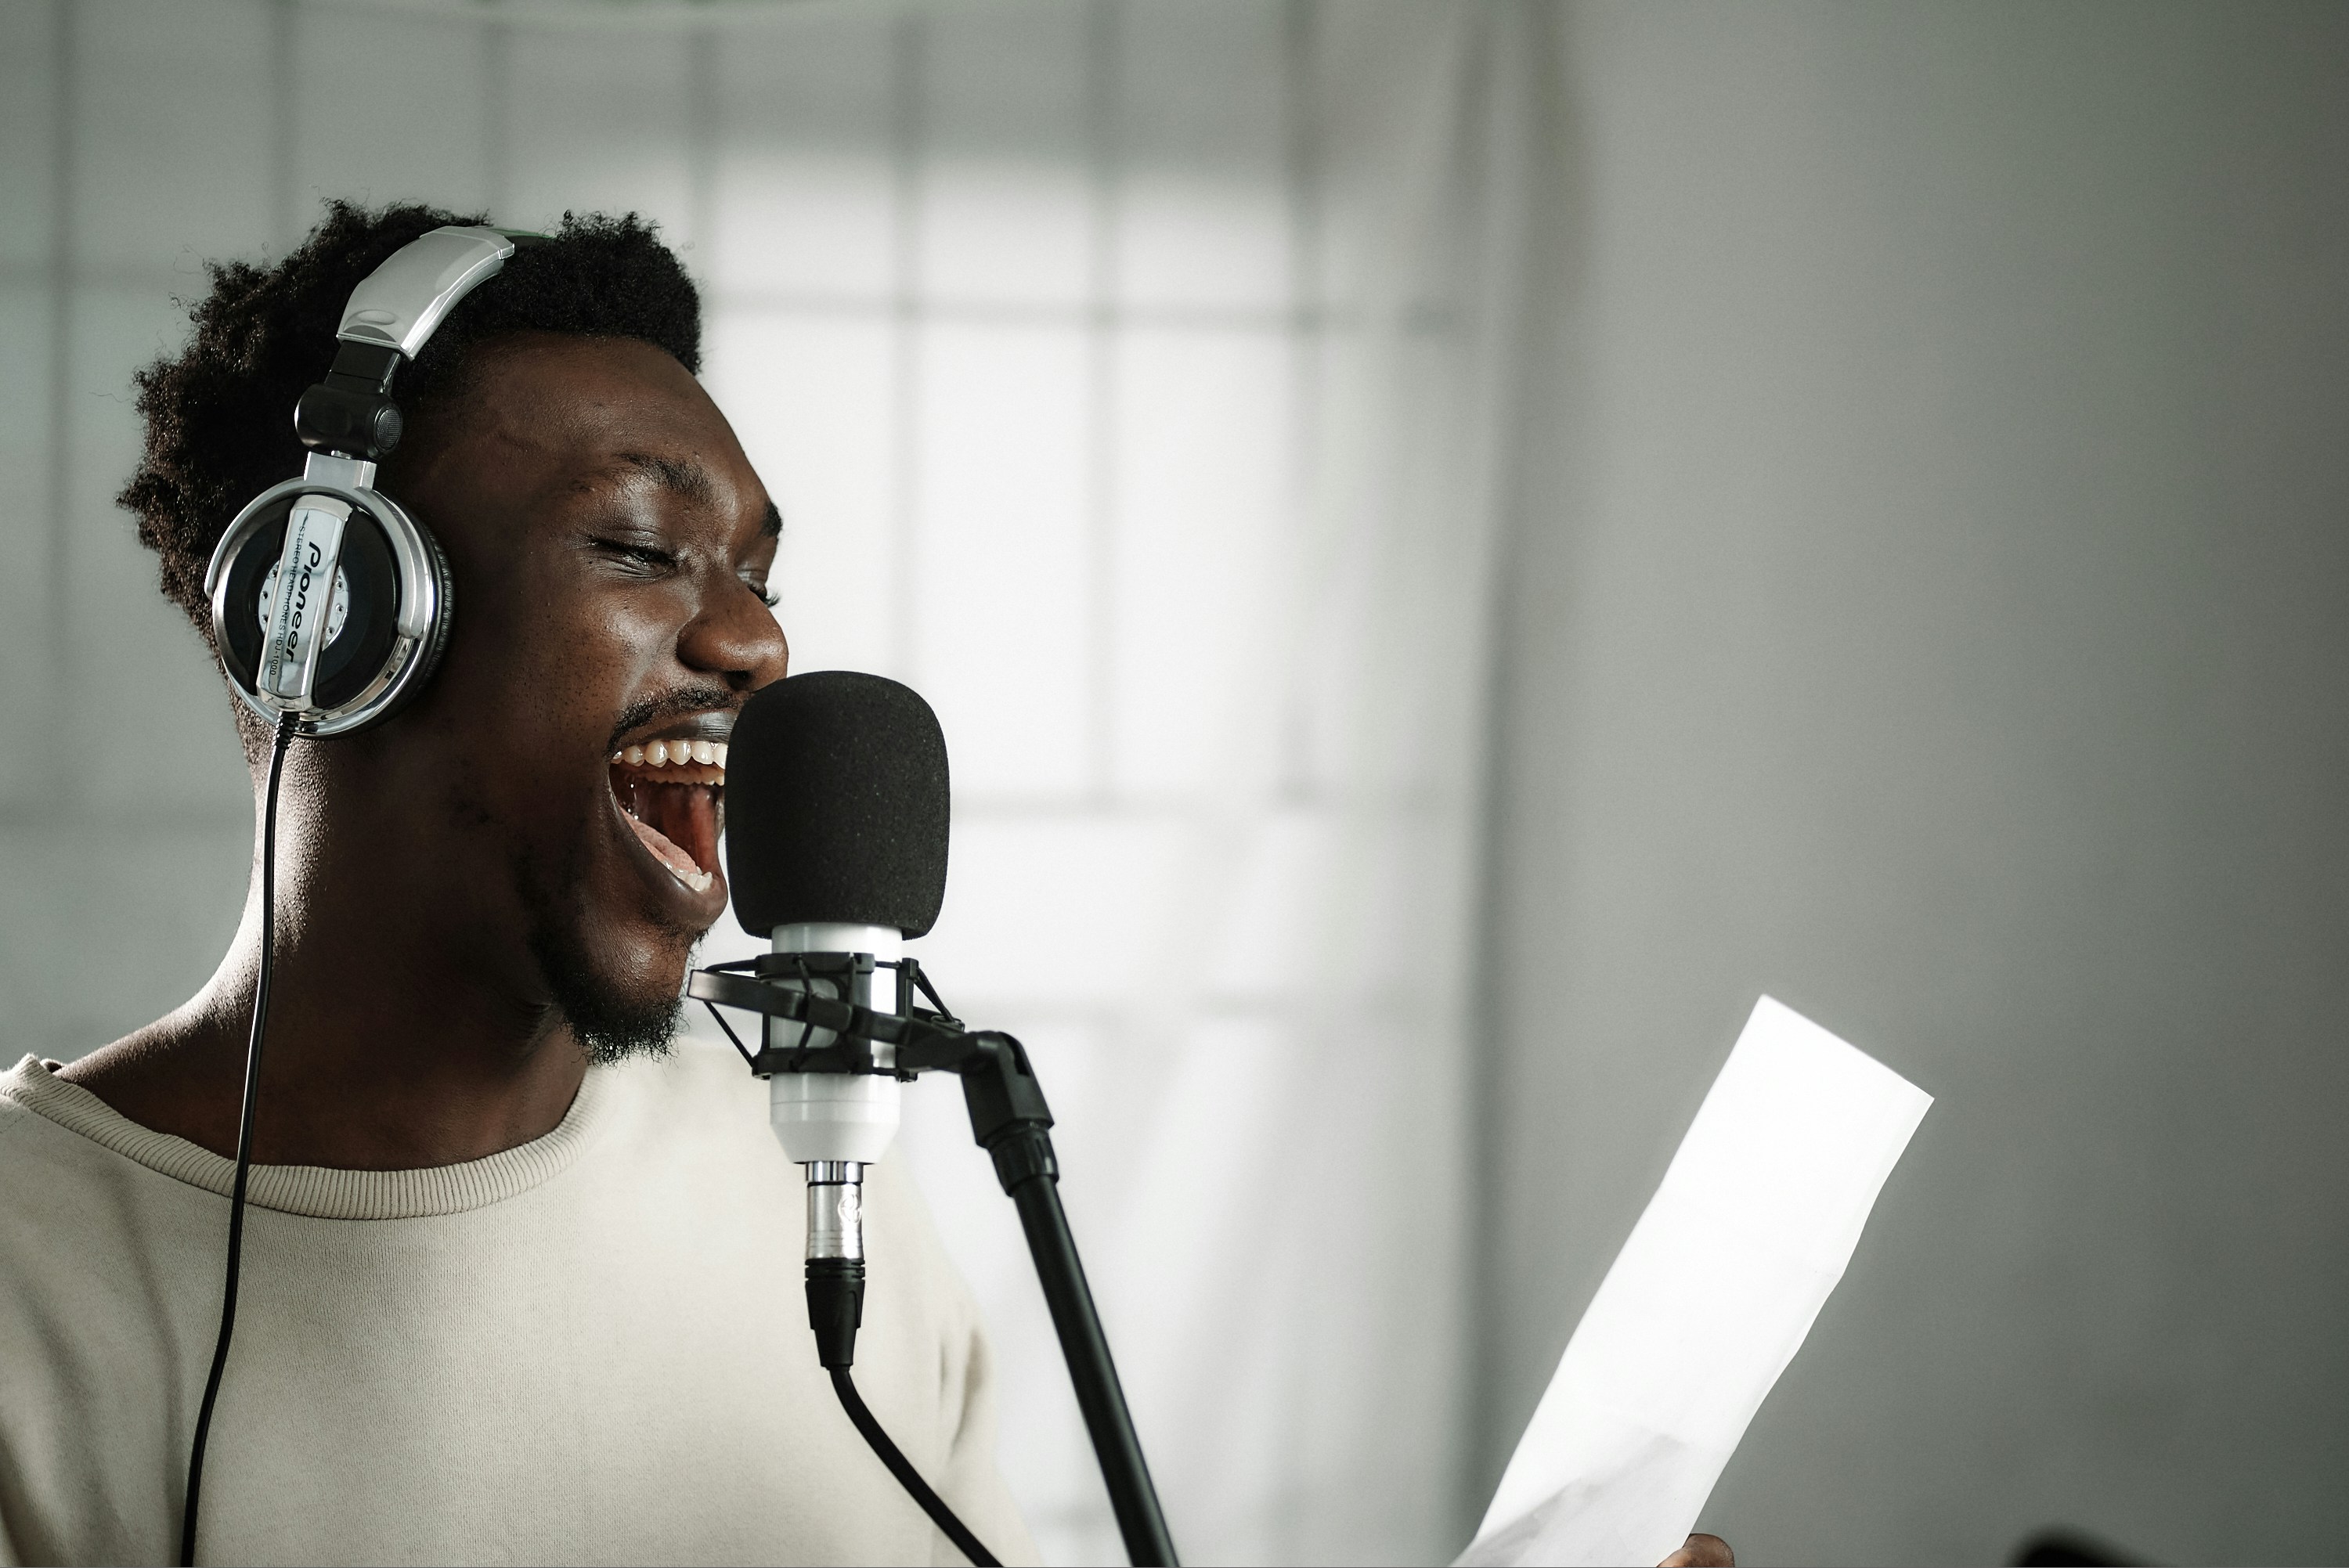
(837, 819)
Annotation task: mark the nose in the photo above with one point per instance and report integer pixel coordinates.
(735, 638)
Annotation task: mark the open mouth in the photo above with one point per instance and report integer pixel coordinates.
(672, 793)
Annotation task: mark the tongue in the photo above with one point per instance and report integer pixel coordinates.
(668, 854)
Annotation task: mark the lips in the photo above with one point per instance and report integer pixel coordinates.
(672, 791)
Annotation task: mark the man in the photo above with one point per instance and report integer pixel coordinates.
(522, 1278)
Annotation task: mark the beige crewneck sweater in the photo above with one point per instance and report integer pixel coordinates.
(591, 1348)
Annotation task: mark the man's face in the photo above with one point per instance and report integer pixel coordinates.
(557, 791)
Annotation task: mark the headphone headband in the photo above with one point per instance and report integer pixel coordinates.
(399, 305)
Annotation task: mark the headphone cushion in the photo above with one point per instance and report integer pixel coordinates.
(444, 616)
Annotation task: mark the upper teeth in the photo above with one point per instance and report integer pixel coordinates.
(664, 753)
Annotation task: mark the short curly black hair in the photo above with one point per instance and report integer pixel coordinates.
(220, 417)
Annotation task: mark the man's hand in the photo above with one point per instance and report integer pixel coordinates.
(1702, 1552)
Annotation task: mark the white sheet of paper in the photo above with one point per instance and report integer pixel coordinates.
(1708, 1301)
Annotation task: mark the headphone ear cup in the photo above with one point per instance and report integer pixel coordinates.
(389, 619)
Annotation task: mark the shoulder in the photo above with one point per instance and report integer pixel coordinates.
(48, 1142)
(24, 1152)
(103, 1268)
(73, 1197)
(12, 1088)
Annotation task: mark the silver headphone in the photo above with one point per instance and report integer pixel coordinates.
(331, 603)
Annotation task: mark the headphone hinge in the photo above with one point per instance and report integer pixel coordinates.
(346, 473)
(364, 425)
(351, 411)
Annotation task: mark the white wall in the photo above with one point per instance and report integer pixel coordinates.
(1932, 605)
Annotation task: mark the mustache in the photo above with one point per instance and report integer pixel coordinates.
(676, 705)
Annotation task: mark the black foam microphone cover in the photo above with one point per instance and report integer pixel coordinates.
(836, 805)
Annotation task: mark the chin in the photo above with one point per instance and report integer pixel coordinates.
(621, 995)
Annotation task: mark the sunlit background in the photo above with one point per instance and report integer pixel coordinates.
(1454, 544)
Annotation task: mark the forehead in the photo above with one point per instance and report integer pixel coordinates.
(614, 407)
(549, 429)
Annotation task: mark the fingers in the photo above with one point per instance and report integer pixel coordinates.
(1702, 1552)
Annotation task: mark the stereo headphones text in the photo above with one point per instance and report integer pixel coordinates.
(331, 605)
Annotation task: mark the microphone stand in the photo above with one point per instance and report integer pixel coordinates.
(1009, 1121)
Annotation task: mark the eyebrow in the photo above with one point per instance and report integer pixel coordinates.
(692, 480)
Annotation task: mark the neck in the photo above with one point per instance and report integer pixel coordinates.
(395, 1040)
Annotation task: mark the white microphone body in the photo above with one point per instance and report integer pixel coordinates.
(837, 1116)
(836, 1124)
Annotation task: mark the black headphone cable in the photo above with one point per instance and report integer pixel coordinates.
(285, 725)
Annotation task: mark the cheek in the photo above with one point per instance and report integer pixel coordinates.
(563, 669)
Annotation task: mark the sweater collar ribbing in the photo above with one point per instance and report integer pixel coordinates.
(318, 1191)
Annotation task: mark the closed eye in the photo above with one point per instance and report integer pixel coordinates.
(644, 560)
